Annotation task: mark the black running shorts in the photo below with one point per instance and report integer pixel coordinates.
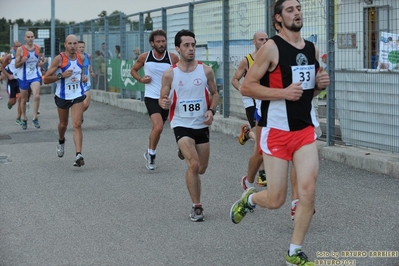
(12, 88)
(154, 108)
(199, 135)
(66, 104)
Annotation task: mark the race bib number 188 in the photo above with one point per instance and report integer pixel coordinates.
(191, 108)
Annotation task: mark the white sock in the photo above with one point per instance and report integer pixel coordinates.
(249, 184)
(293, 203)
(250, 201)
(152, 152)
(294, 248)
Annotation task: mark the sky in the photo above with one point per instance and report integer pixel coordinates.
(77, 10)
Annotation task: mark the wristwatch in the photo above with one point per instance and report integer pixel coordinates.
(212, 110)
(59, 76)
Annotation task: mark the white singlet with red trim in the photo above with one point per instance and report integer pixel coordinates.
(189, 98)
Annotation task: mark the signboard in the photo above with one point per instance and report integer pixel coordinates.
(118, 75)
(389, 51)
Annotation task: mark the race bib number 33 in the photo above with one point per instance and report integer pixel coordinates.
(304, 74)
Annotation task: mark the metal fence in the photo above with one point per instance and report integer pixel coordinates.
(358, 39)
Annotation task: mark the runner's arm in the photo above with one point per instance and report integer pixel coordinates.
(49, 76)
(166, 87)
(137, 66)
(242, 68)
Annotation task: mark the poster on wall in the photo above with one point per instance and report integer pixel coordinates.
(389, 51)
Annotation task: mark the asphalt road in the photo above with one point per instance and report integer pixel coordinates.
(113, 211)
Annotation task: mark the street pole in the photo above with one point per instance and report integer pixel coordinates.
(52, 37)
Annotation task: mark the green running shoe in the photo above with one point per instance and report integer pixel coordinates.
(18, 121)
(241, 207)
(298, 259)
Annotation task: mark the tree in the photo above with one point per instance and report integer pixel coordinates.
(148, 22)
(4, 35)
(114, 19)
(135, 25)
(20, 21)
(103, 14)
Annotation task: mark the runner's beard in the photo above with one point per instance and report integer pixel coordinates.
(293, 27)
(160, 50)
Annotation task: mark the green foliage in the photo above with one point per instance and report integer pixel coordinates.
(135, 25)
(4, 35)
(114, 18)
(148, 22)
(103, 14)
(5, 47)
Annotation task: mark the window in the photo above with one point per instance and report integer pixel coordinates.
(376, 20)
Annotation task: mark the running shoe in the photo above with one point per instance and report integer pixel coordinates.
(24, 124)
(18, 121)
(293, 210)
(262, 182)
(79, 160)
(60, 149)
(9, 105)
(244, 135)
(244, 185)
(299, 258)
(150, 161)
(35, 122)
(241, 207)
(180, 155)
(197, 214)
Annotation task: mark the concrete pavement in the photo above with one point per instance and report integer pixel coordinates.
(113, 211)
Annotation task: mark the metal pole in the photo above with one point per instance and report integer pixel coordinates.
(106, 54)
(268, 22)
(52, 37)
(330, 103)
(11, 36)
(226, 56)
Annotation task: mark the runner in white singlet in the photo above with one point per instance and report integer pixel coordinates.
(189, 91)
(155, 62)
(66, 71)
(29, 76)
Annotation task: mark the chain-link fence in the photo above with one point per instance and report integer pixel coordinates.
(358, 43)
